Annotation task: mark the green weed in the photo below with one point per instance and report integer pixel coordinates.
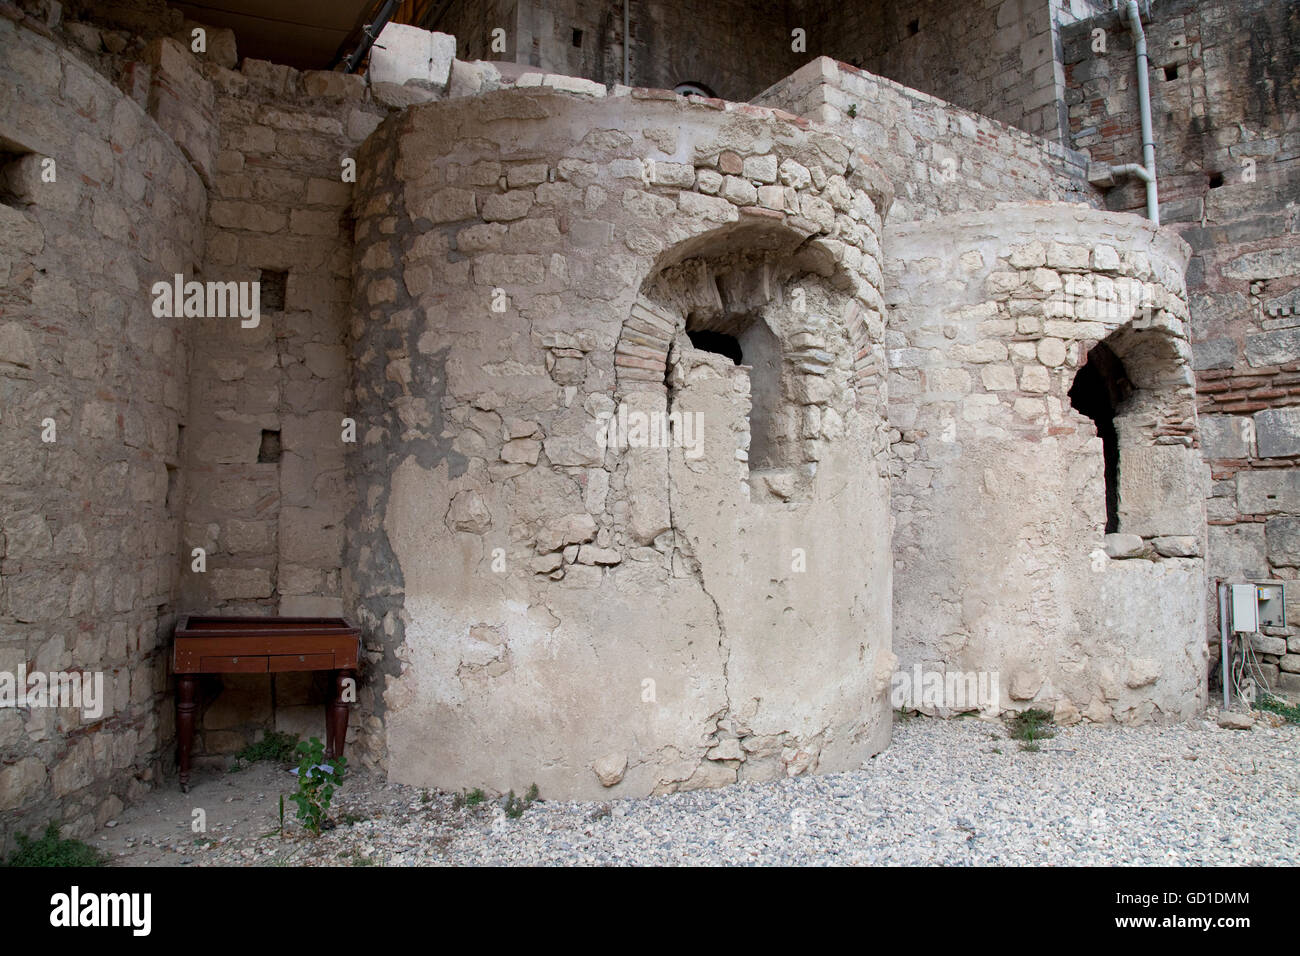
(1266, 701)
(316, 787)
(51, 850)
(1029, 727)
(274, 746)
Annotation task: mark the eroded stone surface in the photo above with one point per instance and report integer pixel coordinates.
(525, 264)
(661, 618)
(1002, 564)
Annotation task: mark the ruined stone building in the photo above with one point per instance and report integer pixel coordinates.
(650, 385)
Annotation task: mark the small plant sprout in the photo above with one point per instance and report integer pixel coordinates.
(515, 806)
(317, 779)
(1029, 727)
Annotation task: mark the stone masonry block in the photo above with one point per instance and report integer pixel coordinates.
(406, 54)
(1224, 436)
(1278, 432)
(1268, 492)
(1283, 537)
(1146, 479)
(1237, 551)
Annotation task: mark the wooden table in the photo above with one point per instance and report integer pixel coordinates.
(263, 645)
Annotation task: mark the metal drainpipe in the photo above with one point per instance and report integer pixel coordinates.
(627, 43)
(1144, 105)
(1225, 666)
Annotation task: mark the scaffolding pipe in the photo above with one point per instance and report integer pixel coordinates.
(369, 34)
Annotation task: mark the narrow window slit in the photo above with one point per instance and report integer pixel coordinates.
(268, 453)
(272, 287)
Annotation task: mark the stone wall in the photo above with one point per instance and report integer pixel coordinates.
(532, 263)
(266, 491)
(1002, 564)
(544, 605)
(999, 59)
(941, 158)
(1224, 100)
(93, 393)
(995, 58)
(246, 438)
(737, 49)
(472, 25)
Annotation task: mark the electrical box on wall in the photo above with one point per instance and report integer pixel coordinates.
(1272, 604)
(1256, 606)
(1245, 609)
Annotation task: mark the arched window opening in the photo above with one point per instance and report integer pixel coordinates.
(1100, 387)
(750, 344)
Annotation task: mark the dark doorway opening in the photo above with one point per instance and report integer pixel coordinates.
(719, 343)
(1100, 388)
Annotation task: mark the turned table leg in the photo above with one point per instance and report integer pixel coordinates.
(336, 714)
(186, 706)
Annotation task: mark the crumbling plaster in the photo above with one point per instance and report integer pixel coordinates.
(611, 221)
(1001, 559)
(638, 618)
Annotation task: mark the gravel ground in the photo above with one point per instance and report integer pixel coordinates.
(945, 792)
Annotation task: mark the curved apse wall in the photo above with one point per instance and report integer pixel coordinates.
(566, 590)
(1003, 325)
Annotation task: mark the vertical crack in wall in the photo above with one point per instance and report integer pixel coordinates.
(682, 547)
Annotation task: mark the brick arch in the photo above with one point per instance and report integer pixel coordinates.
(641, 355)
(778, 253)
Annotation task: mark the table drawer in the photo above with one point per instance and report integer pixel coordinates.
(233, 665)
(301, 662)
